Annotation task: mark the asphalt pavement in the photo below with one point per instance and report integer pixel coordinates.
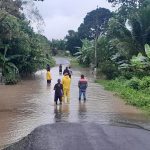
(87, 136)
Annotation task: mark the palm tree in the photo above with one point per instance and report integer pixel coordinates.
(132, 35)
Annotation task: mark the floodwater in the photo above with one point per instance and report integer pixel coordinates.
(29, 104)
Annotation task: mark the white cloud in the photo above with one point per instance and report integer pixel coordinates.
(57, 26)
(63, 15)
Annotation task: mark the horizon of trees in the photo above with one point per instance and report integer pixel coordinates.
(123, 37)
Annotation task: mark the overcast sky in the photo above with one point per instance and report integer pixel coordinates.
(63, 15)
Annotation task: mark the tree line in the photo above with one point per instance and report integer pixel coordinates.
(22, 51)
(120, 39)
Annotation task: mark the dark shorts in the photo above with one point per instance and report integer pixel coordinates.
(58, 97)
(48, 81)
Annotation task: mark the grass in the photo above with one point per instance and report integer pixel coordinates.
(130, 96)
(75, 63)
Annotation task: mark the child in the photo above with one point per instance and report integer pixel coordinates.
(48, 76)
(58, 91)
(82, 84)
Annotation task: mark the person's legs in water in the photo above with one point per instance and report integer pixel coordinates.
(64, 96)
(56, 99)
(84, 95)
(60, 99)
(80, 94)
(48, 82)
(60, 72)
(68, 95)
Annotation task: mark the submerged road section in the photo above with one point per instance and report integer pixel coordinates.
(102, 119)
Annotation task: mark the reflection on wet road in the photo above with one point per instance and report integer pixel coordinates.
(29, 104)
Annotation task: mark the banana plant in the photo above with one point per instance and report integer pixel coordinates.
(6, 64)
(147, 50)
(140, 61)
(85, 54)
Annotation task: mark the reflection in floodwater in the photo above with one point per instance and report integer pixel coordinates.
(29, 104)
(82, 108)
(57, 113)
(82, 111)
(61, 113)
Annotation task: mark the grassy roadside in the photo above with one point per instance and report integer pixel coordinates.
(129, 95)
(75, 63)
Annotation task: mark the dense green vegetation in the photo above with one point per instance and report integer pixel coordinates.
(22, 51)
(123, 38)
(117, 44)
(114, 39)
(93, 25)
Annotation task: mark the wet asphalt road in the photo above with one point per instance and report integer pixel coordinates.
(87, 136)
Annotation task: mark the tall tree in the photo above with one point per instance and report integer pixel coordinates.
(128, 7)
(129, 3)
(94, 23)
(72, 41)
(22, 9)
(21, 49)
(12, 7)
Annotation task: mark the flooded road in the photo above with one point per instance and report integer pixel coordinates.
(29, 104)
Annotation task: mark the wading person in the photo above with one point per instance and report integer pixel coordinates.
(58, 92)
(60, 69)
(66, 71)
(48, 76)
(82, 84)
(66, 81)
(47, 67)
(70, 72)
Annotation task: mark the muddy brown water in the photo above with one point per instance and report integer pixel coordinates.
(29, 104)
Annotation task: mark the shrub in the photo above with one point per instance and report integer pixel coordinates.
(134, 83)
(127, 74)
(145, 82)
(11, 79)
(110, 70)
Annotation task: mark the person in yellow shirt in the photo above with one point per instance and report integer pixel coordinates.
(66, 81)
(48, 76)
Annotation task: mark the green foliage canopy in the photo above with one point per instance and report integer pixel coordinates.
(94, 23)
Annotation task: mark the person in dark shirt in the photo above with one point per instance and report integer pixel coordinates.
(66, 71)
(60, 69)
(58, 92)
(70, 72)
